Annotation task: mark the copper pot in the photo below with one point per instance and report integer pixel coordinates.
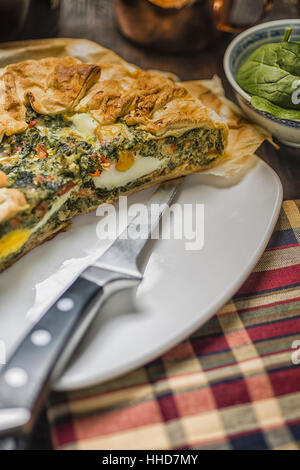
(179, 25)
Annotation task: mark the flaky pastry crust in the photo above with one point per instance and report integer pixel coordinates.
(3, 180)
(12, 201)
(152, 101)
(51, 85)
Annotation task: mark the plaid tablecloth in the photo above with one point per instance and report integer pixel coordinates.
(234, 384)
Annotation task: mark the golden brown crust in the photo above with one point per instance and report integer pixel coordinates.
(219, 104)
(63, 83)
(12, 110)
(3, 180)
(179, 115)
(12, 201)
(135, 96)
(51, 85)
(147, 99)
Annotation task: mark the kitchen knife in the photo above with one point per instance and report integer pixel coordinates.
(44, 351)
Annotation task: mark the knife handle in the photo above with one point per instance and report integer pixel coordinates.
(24, 379)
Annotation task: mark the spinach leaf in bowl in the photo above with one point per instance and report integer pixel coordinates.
(264, 105)
(289, 57)
(271, 73)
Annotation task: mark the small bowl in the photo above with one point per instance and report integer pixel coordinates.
(285, 130)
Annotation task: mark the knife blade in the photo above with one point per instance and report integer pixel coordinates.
(44, 351)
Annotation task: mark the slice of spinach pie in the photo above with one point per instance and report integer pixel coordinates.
(75, 135)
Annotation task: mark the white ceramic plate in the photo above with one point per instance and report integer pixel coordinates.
(180, 291)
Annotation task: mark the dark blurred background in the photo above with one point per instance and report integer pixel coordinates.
(95, 20)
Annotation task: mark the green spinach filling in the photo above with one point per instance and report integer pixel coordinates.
(45, 163)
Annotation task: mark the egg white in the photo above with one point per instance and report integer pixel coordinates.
(112, 178)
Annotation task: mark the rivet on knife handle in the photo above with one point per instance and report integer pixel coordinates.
(26, 375)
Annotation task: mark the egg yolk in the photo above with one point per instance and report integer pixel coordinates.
(126, 160)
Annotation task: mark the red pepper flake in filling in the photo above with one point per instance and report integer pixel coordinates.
(42, 209)
(97, 173)
(66, 189)
(103, 159)
(41, 152)
(42, 178)
(105, 163)
(15, 222)
(172, 148)
(32, 123)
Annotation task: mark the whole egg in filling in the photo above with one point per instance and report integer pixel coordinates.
(113, 177)
(130, 165)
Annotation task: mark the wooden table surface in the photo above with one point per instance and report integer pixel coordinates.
(94, 19)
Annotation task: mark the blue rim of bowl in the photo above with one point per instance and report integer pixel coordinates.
(247, 98)
(271, 117)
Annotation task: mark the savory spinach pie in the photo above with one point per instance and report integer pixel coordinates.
(75, 135)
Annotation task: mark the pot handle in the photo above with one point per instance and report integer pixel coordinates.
(221, 11)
